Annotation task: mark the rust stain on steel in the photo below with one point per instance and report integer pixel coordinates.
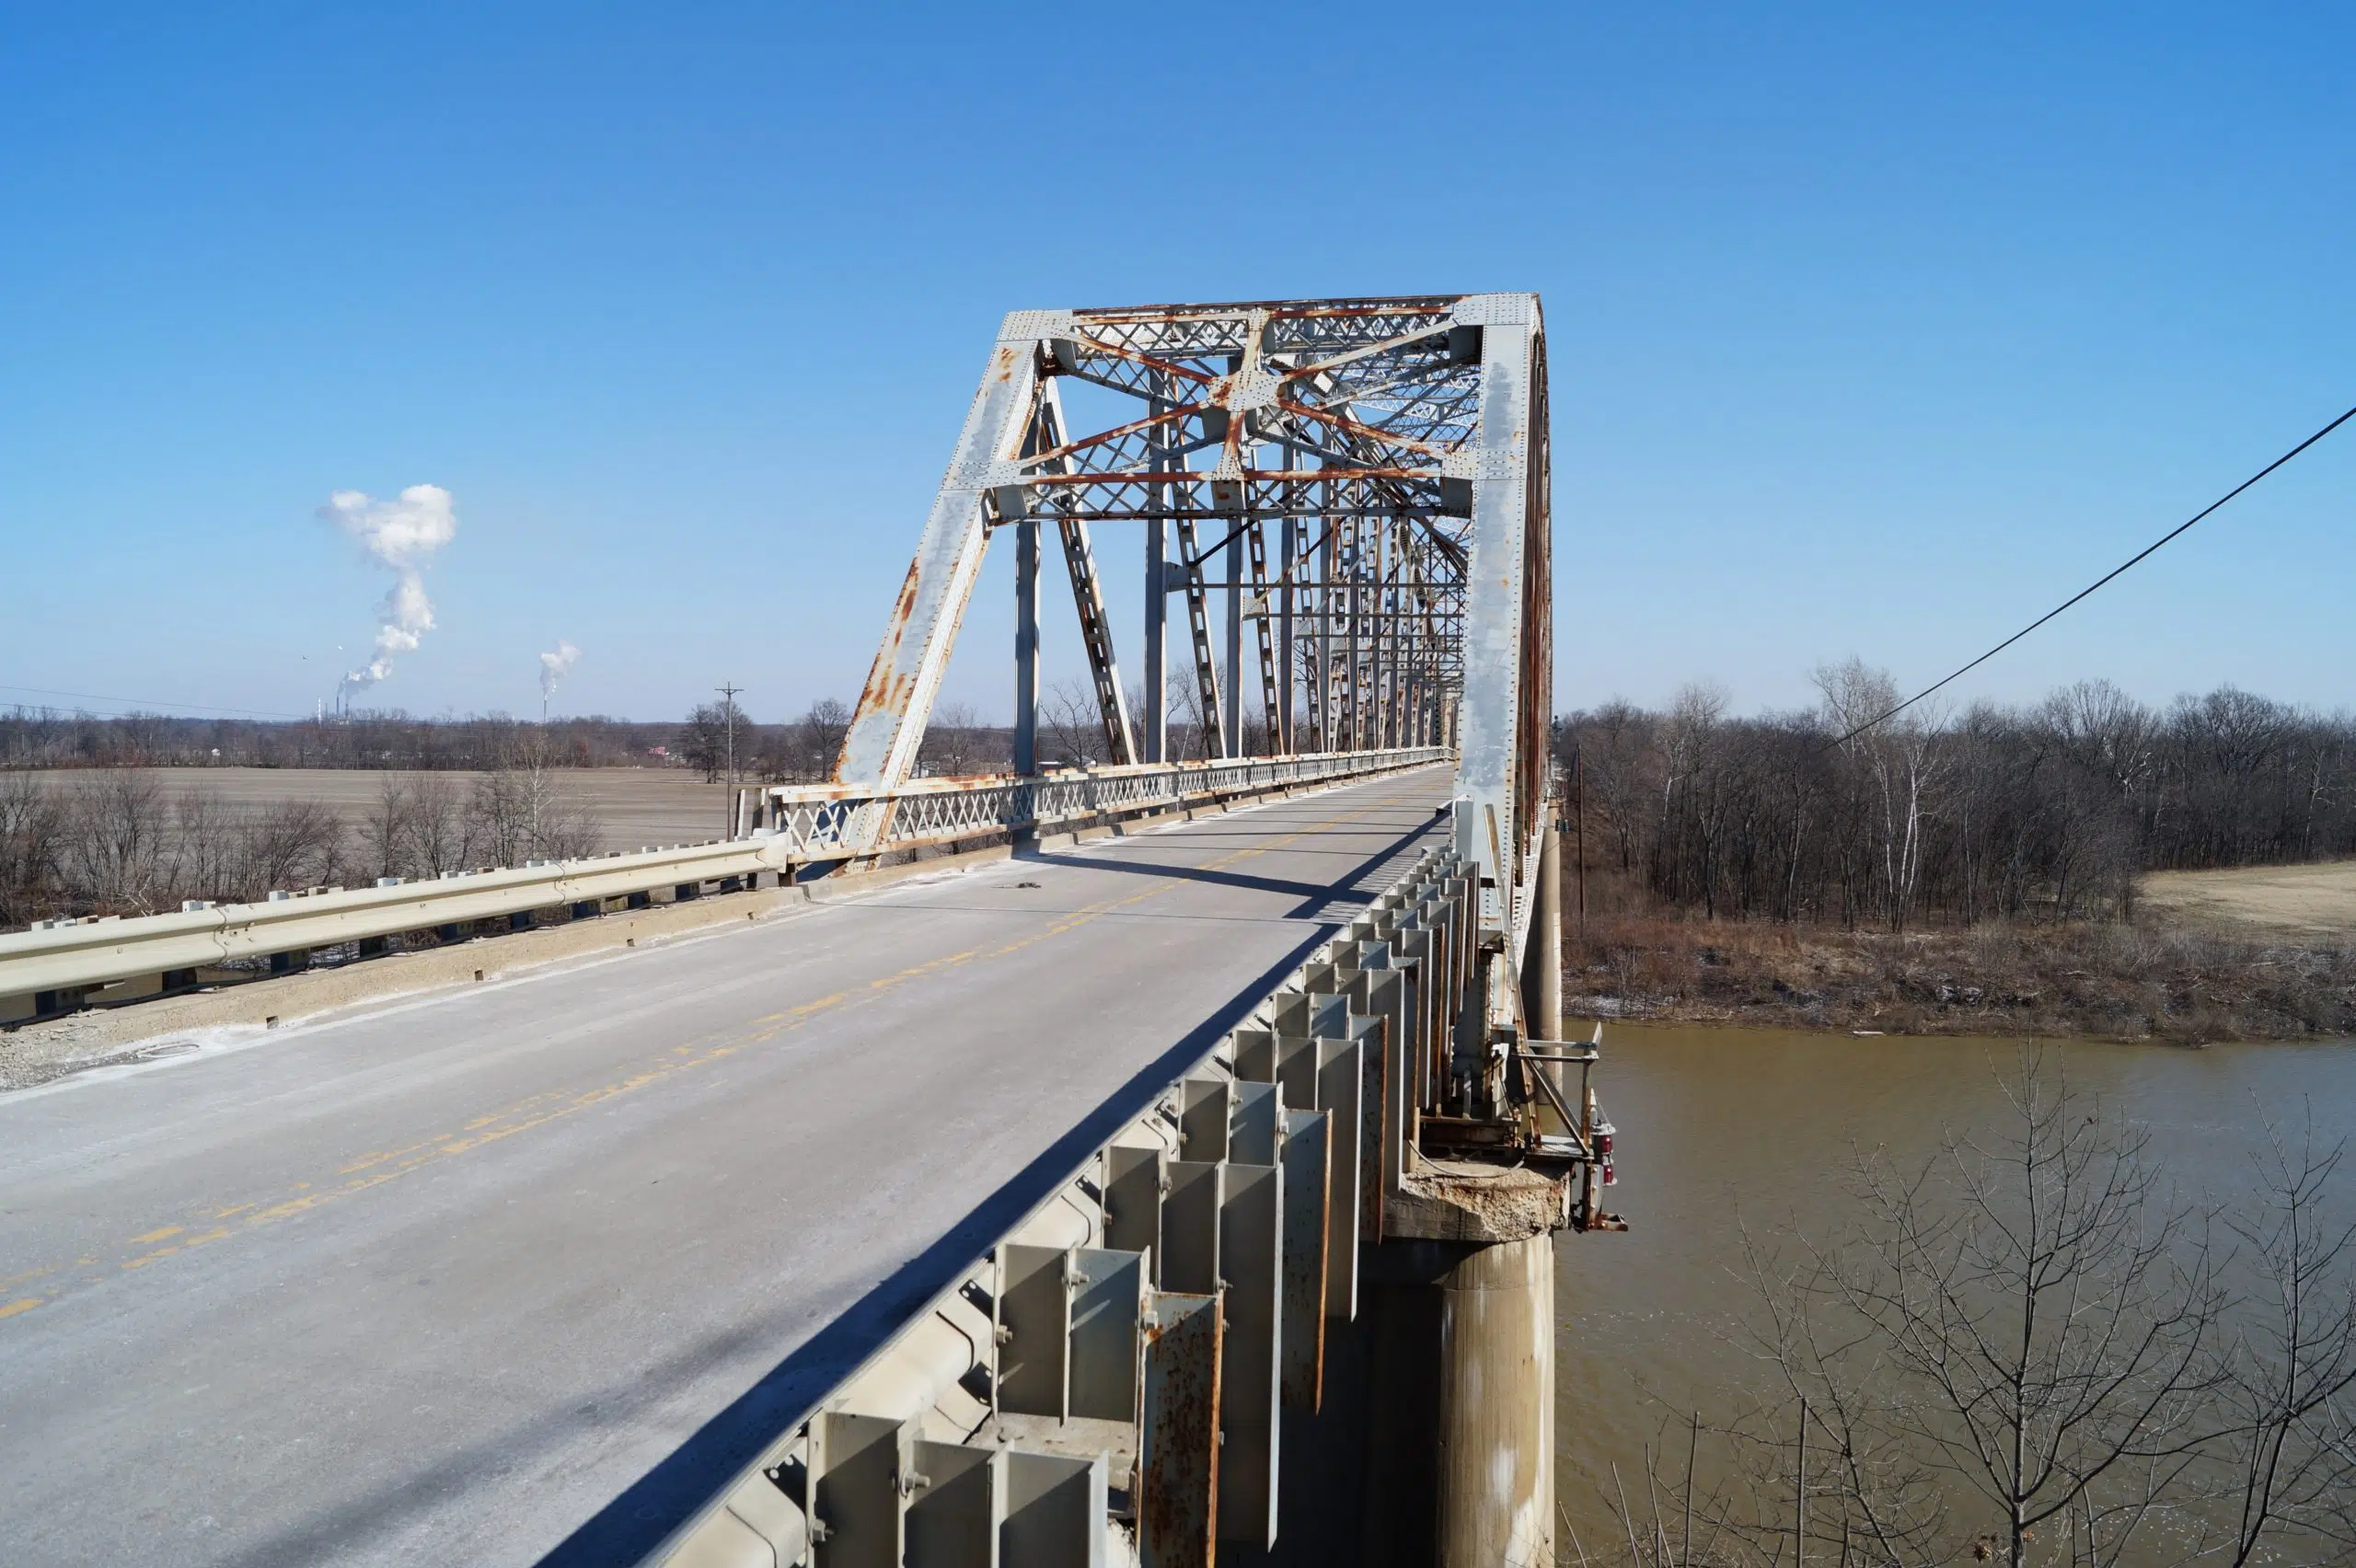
(1122, 350)
(1177, 1493)
(1388, 438)
(882, 692)
(1169, 416)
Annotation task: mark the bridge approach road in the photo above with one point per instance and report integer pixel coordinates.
(529, 1268)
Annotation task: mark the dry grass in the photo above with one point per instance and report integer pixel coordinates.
(2319, 901)
(2160, 978)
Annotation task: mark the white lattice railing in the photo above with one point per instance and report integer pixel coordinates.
(816, 822)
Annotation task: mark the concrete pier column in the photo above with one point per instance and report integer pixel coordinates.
(1496, 1416)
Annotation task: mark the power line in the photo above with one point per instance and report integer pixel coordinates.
(2098, 582)
(136, 702)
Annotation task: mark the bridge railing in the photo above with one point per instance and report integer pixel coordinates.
(820, 822)
(54, 967)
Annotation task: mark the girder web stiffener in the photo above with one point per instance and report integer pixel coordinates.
(1400, 440)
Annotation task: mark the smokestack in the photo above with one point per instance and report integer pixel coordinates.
(401, 535)
(554, 667)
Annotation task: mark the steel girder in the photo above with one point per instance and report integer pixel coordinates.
(1404, 438)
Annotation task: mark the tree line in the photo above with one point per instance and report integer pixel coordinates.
(2046, 811)
(801, 749)
(796, 751)
(48, 738)
(124, 842)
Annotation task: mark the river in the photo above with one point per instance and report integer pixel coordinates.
(1722, 1129)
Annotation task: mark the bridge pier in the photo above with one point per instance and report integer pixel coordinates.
(1434, 1444)
(1494, 1427)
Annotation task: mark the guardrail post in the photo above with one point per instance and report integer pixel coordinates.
(1177, 1481)
(1308, 1194)
(1055, 1512)
(862, 1461)
(953, 1519)
(1133, 1183)
(1250, 1268)
(65, 1000)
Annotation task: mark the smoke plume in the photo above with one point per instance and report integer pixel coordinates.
(555, 666)
(400, 536)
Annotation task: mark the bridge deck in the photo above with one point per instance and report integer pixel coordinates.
(442, 1282)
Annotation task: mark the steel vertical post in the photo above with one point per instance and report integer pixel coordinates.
(1328, 737)
(1354, 701)
(1156, 607)
(1287, 547)
(1026, 646)
(1232, 688)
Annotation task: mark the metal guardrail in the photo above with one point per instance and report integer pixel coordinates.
(807, 825)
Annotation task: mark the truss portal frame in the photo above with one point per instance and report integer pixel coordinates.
(1400, 445)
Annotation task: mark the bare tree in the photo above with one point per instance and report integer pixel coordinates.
(823, 729)
(33, 833)
(704, 741)
(524, 811)
(118, 845)
(1183, 703)
(1072, 725)
(385, 832)
(2291, 1368)
(1898, 761)
(953, 741)
(437, 834)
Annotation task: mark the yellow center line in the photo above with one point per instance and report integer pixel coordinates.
(373, 1169)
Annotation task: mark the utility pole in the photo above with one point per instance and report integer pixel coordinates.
(728, 695)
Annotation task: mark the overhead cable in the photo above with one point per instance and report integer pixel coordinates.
(2106, 577)
(135, 702)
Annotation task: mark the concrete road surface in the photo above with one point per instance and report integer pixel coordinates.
(524, 1272)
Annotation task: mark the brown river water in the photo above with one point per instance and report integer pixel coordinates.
(1725, 1128)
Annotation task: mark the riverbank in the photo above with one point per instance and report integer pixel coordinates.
(2157, 978)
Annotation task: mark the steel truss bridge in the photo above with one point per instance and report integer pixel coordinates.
(1174, 1185)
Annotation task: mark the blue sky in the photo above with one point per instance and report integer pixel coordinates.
(1874, 329)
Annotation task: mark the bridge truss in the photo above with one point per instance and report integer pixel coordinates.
(1363, 483)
